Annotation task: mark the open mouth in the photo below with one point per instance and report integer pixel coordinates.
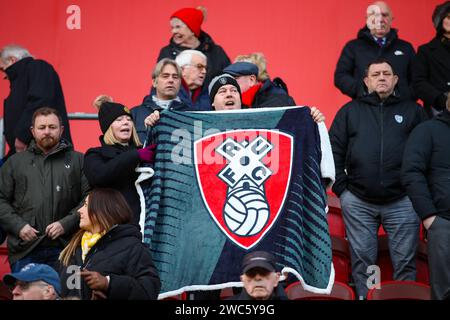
(230, 103)
(125, 130)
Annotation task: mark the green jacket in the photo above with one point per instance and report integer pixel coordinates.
(40, 189)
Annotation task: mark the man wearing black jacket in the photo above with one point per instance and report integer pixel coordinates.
(34, 84)
(426, 176)
(374, 41)
(367, 137)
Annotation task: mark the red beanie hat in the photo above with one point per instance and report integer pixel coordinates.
(192, 17)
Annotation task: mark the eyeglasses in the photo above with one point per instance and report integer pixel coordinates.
(199, 66)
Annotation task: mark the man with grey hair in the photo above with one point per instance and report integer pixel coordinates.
(34, 84)
(376, 40)
(166, 81)
(193, 92)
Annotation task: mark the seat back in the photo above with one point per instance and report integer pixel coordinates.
(385, 263)
(341, 259)
(4, 262)
(340, 291)
(400, 290)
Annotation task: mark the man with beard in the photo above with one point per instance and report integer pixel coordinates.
(40, 191)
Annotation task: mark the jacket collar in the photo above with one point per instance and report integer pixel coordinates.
(365, 34)
(63, 145)
(374, 99)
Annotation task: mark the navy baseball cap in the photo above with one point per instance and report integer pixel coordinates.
(260, 259)
(242, 68)
(35, 272)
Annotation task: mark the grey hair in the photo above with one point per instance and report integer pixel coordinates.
(185, 57)
(160, 66)
(14, 50)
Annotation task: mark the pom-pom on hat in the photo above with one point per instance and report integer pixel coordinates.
(110, 111)
(192, 17)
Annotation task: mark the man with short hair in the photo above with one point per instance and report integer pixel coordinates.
(426, 176)
(193, 93)
(40, 191)
(166, 80)
(368, 136)
(34, 282)
(260, 278)
(34, 83)
(376, 40)
(256, 94)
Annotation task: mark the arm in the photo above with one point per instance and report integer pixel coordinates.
(339, 143)
(343, 76)
(140, 280)
(416, 159)
(101, 172)
(421, 82)
(10, 221)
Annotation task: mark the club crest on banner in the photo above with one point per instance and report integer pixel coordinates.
(243, 176)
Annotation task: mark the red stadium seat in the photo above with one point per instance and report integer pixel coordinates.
(177, 297)
(335, 220)
(226, 293)
(340, 291)
(385, 263)
(5, 293)
(341, 259)
(4, 262)
(400, 290)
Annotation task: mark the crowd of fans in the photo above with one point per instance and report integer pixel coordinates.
(60, 208)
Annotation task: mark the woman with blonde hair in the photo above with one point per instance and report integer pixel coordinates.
(112, 260)
(113, 164)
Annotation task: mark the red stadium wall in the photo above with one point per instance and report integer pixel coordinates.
(119, 40)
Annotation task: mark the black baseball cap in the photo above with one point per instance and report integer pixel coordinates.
(260, 259)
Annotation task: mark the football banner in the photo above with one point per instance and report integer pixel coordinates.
(227, 183)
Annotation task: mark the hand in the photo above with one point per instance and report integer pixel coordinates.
(317, 115)
(28, 233)
(152, 119)
(98, 295)
(54, 230)
(19, 145)
(428, 222)
(95, 280)
(147, 154)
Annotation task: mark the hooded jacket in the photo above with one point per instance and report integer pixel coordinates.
(270, 95)
(358, 53)
(368, 136)
(40, 189)
(431, 73)
(121, 255)
(34, 84)
(112, 166)
(426, 167)
(217, 58)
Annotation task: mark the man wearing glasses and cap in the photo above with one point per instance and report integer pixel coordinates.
(34, 282)
(260, 278)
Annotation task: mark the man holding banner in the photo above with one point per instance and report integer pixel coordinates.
(228, 183)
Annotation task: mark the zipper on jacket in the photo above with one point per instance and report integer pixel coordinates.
(381, 143)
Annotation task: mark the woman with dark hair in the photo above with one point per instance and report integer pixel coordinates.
(431, 68)
(113, 164)
(108, 253)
